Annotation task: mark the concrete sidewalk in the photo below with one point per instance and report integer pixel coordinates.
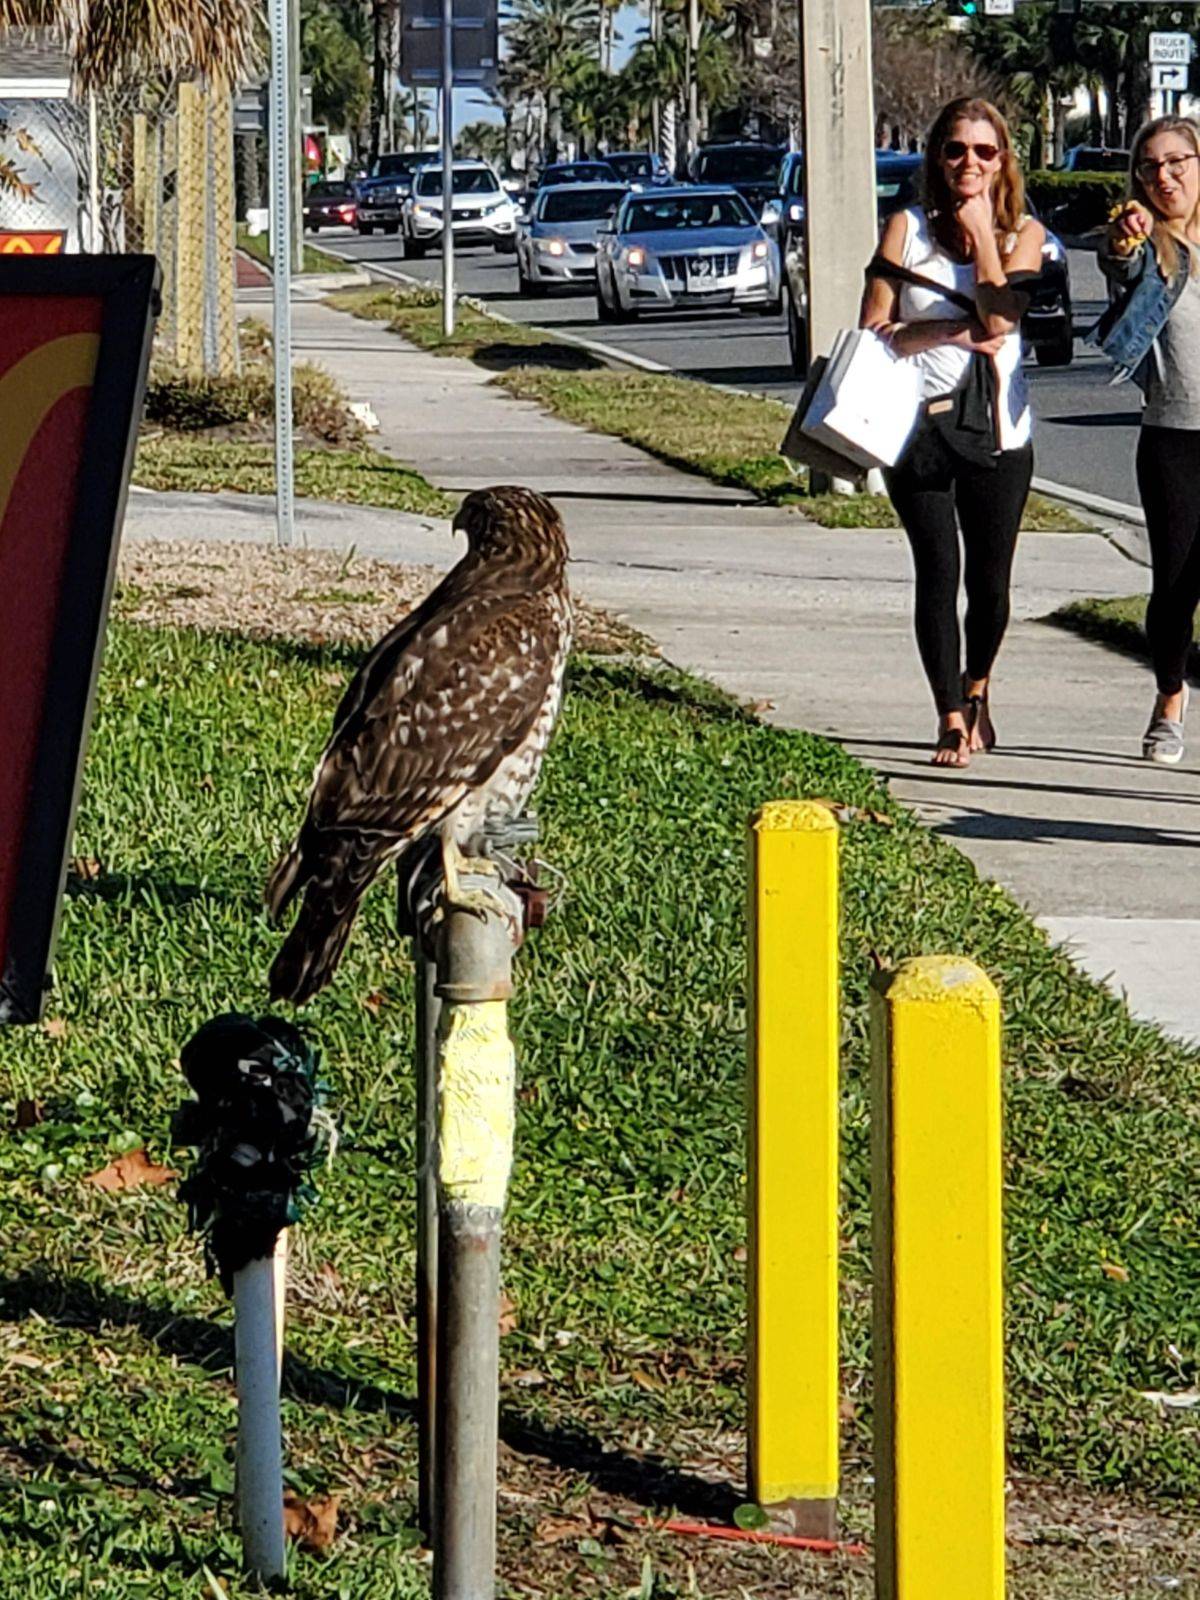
(818, 622)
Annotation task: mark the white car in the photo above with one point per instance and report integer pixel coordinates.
(484, 212)
(686, 249)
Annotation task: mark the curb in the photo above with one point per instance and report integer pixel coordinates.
(1123, 525)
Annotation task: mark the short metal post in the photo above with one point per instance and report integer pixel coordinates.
(429, 1008)
(475, 1109)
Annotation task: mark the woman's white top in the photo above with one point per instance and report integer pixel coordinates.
(944, 368)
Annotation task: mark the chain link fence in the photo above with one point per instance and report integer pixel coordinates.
(139, 167)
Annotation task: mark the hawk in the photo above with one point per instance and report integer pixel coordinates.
(444, 726)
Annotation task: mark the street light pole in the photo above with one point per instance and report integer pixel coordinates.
(282, 192)
(447, 168)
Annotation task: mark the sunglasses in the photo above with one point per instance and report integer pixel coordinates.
(955, 150)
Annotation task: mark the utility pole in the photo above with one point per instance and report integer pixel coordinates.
(447, 168)
(840, 225)
(693, 62)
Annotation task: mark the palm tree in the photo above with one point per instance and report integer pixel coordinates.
(549, 41)
(108, 39)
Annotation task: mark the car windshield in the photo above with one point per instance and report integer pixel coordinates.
(575, 205)
(632, 166)
(402, 165)
(895, 184)
(738, 166)
(579, 172)
(688, 211)
(475, 180)
(330, 191)
(1099, 160)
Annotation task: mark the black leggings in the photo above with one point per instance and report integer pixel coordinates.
(1168, 475)
(930, 482)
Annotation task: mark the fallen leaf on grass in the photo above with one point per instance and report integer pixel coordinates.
(29, 1113)
(311, 1521)
(555, 1530)
(1168, 1400)
(55, 1027)
(130, 1172)
(375, 1002)
(86, 868)
(740, 1252)
(508, 1315)
(528, 1378)
(1119, 1274)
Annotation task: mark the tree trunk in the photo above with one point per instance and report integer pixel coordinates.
(379, 48)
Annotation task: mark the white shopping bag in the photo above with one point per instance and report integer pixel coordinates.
(867, 401)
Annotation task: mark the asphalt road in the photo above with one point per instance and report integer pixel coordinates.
(1086, 428)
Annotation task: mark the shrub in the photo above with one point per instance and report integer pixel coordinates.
(1073, 202)
(192, 403)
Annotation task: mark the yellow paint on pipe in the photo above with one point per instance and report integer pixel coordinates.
(793, 1154)
(939, 1342)
(476, 1094)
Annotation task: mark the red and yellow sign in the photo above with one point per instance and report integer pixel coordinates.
(48, 351)
(49, 242)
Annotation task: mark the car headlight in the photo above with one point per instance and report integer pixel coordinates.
(770, 214)
(552, 247)
(796, 211)
(759, 250)
(635, 256)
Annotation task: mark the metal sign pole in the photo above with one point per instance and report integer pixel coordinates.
(281, 242)
(447, 168)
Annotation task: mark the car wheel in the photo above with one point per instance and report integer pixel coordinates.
(391, 227)
(797, 339)
(506, 247)
(313, 227)
(604, 311)
(366, 227)
(1056, 352)
(412, 249)
(771, 308)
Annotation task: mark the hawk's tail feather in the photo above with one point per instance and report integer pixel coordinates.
(311, 952)
(283, 883)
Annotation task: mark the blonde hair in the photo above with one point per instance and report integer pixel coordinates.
(1008, 189)
(1167, 234)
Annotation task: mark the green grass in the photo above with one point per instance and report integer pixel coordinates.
(315, 261)
(731, 439)
(624, 1231)
(1119, 622)
(361, 477)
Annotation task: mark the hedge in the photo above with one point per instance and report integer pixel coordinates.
(1073, 202)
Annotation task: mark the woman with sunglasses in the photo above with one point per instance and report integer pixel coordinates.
(966, 244)
(1151, 255)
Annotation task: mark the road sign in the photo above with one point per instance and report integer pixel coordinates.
(476, 49)
(1173, 78)
(998, 8)
(1170, 49)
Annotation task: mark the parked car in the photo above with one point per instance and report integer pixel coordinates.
(1047, 325)
(750, 168)
(383, 193)
(639, 166)
(1095, 158)
(329, 205)
(484, 212)
(557, 244)
(576, 172)
(683, 249)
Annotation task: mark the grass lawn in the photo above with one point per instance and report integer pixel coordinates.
(358, 476)
(1120, 622)
(258, 245)
(623, 1377)
(731, 439)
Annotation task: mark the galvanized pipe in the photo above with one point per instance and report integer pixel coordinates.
(429, 1007)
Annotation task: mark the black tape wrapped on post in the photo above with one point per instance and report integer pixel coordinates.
(258, 1128)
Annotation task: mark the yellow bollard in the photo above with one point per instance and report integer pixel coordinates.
(793, 1165)
(939, 1339)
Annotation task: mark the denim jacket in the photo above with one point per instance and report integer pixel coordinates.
(1144, 300)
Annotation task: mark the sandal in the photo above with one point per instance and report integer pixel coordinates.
(975, 706)
(953, 739)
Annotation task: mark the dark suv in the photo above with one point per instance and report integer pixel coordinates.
(381, 195)
(750, 168)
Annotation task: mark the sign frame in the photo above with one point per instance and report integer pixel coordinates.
(128, 289)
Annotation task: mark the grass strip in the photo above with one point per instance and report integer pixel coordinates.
(360, 477)
(1119, 622)
(258, 245)
(731, 439)
(626, 1225)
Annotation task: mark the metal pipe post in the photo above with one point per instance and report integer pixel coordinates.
(282, 184)
(447, 168)
(429, 1009)
(476, 1084)
(258, 1300)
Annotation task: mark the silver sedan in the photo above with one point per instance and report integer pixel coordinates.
(557, 245)
(686, 249)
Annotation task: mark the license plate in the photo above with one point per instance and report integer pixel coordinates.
(701, 276)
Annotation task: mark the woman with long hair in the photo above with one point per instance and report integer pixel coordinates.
(1151, 253)
(944, 292)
